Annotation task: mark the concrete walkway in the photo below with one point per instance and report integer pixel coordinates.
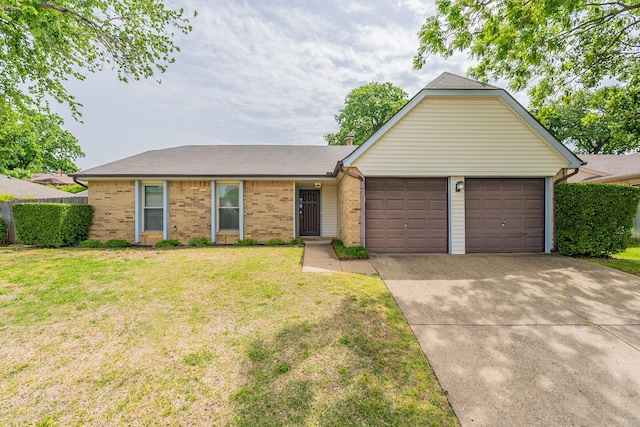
(524, 340)
(319, 257)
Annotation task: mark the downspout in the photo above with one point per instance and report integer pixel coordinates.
(362, 201)
(566, 177)
(78, 182)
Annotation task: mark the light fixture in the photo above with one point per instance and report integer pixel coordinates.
(318, 184)
(459, 186)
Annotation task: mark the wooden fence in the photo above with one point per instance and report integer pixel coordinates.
(5, 210)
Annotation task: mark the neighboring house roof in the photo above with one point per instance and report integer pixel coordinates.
(52, 179)
(608, 167)
(26, 189)
(448, 84)
(226, 161)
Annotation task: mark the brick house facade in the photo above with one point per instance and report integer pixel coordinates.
(462, 167)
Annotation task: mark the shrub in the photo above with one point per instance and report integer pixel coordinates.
(52, 225)
(4, 233)
(71, 188)
(117, 243)
(296, 241)
(167, 243)
(91, 243)
(200, 241)
(594, 219)
(274, 242)
(349, 252)
(246, 242)
(7, 197)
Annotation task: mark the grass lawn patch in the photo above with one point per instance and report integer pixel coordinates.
(627, 260)
(217, 336)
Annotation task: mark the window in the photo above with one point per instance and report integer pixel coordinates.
(153, 207)
(229, 207)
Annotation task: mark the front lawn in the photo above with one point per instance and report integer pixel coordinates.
(208, 336)
(627, 260)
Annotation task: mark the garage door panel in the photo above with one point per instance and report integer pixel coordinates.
(416, 205)
(504, 215)
(410, 217)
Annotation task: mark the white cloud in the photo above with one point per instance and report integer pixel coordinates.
(254, 72)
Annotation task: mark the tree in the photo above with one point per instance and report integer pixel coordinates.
(33, 142)
(561, 44)
(45, 43)
(366, 109)
(605, 121)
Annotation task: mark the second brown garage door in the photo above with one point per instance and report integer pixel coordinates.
(406, 215)
(504, 215)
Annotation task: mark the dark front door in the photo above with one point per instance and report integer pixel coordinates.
(309, 212)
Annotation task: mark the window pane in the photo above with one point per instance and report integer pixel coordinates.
(153, 219)
(153, 196)
(229, 196)
(229, 219)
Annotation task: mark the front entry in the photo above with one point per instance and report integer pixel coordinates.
(309, 211)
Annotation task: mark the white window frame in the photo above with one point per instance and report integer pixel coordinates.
(145, 207)
(215, 211)
(140, 207)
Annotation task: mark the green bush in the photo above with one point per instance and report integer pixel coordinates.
(71, 188)
(117, 243)
(594, 219)
(297, 241)
(246, 242)
(52, 225)
(91, 243)
(349, 252)
(274, 242)
(7, 197)
(200, 241)
(4, 233)
(167, 243)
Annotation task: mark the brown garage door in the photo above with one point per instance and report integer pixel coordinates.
(504, 215)
(406, 215)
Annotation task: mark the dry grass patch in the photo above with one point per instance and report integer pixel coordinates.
(210, 336)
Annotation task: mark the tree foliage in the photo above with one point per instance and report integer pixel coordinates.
(33, 142)
(366, 109)
(605, 121)
(46, 43)
(561, 43)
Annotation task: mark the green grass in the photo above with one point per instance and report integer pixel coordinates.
(221, 336)
(627, 261)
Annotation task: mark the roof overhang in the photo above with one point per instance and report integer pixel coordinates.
(572, 160)
(130, 177)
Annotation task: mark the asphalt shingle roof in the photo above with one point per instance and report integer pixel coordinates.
(612, 166)
(25, 189)
(226, 160)
(448, 80)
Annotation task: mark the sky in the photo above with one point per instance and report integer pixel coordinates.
(257, 72)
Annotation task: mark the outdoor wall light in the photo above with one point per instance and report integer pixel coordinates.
(459, 186)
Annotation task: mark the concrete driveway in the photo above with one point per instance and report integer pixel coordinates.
(525, 340)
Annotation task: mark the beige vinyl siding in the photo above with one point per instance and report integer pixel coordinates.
(457, 219)
(329, 200)
(461, 136)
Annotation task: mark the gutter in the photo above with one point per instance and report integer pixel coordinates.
(566, 177)
(341, 169)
